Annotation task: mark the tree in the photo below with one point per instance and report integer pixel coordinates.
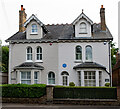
(5, 58)
(114, 51)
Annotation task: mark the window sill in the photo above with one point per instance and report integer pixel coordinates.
(29, 61)
(78, 61)
(33, 33)
(40, 61)
(82, 33)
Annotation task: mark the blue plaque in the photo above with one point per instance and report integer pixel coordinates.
(64, 65)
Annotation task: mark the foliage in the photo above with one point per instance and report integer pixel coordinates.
(23, 90)
(107, 84)
(114, 51)
(85, 92)
(71, 84)
(5, 58)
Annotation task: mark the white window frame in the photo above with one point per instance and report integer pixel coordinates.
(29, 54)
(40, 54)
(88, 60)
(34, 28)
(65, 74)
(100, 78)
(25, 79)
(83, 28)
(78, 53)
(88, 79)
(51, 79)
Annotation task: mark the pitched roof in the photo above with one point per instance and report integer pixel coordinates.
(89, 65)
(82, 15)
(65, 32)
(29, 65)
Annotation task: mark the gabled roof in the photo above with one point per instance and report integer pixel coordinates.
(82, 15)
(33, 17)
(29, 65)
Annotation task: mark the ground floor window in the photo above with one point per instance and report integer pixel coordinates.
(65, 80)
(35, 77)
(89, 78)
(25, 77)
(79, 78)
(51, 78)
(100, 78)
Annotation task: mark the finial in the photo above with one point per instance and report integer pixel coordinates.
(82, 10)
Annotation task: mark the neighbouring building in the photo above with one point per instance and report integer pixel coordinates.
(59, 54)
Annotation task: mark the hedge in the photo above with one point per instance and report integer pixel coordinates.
(23, 90)
(85, 92)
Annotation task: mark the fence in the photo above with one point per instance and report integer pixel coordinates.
(85, 93)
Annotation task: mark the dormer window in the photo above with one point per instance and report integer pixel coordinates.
(34, 28)
(83, 27)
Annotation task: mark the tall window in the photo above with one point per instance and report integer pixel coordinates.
(29, 53)
(78, 53)
(88, 53)
(26, 77)
(34, 28)
(79, 78)
(39, 53)
(65, 78)
(51, 78)
(89, 78)
(83, 28)
(100, 78)
(35, 77)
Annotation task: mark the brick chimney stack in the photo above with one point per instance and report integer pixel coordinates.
(102, 16)
(22, 19)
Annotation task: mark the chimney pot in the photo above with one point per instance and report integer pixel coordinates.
(101, 6)
(22, 8)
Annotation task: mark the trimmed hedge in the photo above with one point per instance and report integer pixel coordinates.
(23, 90)
(85, 92)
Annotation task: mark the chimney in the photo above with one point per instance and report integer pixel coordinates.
(102, 16)
(22, 19)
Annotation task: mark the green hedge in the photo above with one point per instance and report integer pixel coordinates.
(85, 92)
(23, 90)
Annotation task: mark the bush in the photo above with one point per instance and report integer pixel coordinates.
(23, 90)
(107, 84)
(71, 84)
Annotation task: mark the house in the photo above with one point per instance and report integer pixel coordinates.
(59, 54)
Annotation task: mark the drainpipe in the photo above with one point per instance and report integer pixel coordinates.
(110, 69)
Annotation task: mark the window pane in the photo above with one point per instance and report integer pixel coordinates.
(35, 75)
(89, 53)
(83, 28)
(28, 75)
(78, 53)
(51, 78)
(34, 28)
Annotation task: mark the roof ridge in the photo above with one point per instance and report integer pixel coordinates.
(59, 24)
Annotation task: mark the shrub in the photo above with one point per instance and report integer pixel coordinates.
(71, 84)
(107, 84)
(23, 90)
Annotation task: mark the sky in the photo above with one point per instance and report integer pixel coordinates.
(56, 12)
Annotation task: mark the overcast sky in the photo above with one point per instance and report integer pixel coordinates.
(56, 12)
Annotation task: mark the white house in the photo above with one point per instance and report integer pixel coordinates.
(59, 54)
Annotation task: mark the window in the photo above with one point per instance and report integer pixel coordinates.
(35, 77)
(39, 53)
(89, 78)
(34, 28)
(65, 78)
(78, 53)
(51, 78)
(26, 77)
(79, 78)
(29, 53)
(83, 28)
(88, 53)
(100, 78)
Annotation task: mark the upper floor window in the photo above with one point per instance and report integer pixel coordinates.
(51, 78)
(39, 53)
(34, 28)
(83, 27)
(29, 53)
(88, 53)
(78, 53)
